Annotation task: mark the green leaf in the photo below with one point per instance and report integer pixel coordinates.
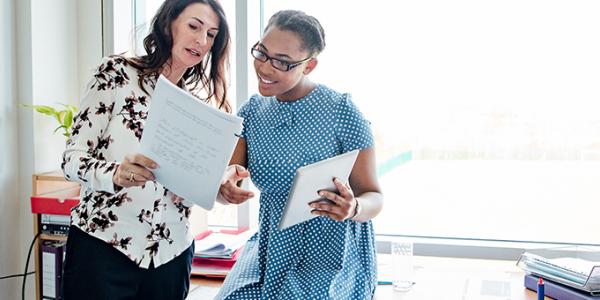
(46, 110)
(61, 117)
(68, 120)
(56, 116)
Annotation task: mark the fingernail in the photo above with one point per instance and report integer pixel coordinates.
(322, 194)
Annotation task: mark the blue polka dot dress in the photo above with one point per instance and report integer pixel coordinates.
(320, 258)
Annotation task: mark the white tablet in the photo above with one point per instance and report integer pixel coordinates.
(309, 180)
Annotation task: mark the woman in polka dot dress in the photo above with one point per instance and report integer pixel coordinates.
(295, 122)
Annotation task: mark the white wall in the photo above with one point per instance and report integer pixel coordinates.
(65, 48)
(89, 35)
(54, 75)
(9, 204)
(47, 52)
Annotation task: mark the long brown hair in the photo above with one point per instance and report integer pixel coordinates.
(159, 42)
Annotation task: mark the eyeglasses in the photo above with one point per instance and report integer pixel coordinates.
(278, 64)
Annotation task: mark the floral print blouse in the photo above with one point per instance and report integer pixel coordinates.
(141, 222)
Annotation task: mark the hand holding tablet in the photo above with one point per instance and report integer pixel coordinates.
(313, 178)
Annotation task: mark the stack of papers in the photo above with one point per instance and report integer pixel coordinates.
(220, 245)
(216, 252)
(574, 266)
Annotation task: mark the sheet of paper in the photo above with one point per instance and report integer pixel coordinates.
(191, 141)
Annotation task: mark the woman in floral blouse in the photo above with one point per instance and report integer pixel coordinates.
(130, 237)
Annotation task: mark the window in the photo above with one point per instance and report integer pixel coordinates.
(485, 113)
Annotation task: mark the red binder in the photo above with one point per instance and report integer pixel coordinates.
(220, 262)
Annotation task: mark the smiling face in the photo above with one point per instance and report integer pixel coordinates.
(285, 46)
(194, 33)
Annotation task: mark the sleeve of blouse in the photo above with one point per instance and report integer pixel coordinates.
(353, 131)
(83, 162)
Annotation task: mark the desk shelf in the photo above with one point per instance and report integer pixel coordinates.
(52, 237)
(50, 185)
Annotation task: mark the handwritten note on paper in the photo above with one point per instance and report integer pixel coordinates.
(191, 141)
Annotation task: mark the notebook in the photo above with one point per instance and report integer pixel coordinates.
(309, 180)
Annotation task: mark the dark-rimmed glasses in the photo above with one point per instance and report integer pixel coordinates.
(278, 64)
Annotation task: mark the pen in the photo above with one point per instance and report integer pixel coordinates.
(380, 282)
(540, 289)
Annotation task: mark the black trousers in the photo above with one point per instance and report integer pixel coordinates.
(95, 270)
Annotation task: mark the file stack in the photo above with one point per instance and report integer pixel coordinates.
(572, 270)
(216, 252)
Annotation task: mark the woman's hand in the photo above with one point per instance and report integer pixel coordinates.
(340, 206)
(229, 189)
(135, 170)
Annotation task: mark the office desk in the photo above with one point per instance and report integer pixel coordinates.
(459, 278)
(437, 278)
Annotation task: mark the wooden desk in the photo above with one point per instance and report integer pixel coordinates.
(437, 278)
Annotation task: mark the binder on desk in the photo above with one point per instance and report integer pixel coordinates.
(220, 245)
(217, 252)
(218, 262)
(52, 260)
(575, 266)
(557, 290)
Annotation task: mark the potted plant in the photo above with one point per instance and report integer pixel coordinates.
(64, 117)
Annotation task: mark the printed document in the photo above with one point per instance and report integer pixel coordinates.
(191, 142)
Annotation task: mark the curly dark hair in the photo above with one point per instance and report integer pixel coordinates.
(159, 42)
(307, 27)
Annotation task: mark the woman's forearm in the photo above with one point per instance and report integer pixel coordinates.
(370, 204)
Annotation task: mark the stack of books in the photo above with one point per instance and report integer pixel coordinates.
(216, 252)
(571, 272)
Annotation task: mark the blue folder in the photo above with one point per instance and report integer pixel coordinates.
(557, 290)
